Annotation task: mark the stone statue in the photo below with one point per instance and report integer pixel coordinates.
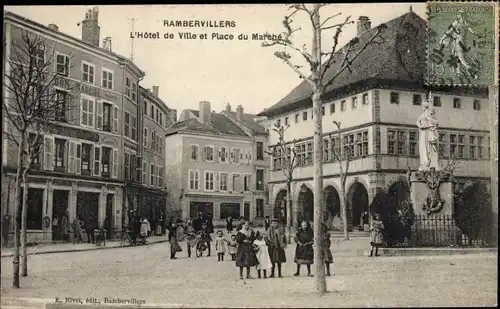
(433, 180)
(427, 124)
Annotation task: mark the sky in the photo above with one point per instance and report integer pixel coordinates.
(187, 71)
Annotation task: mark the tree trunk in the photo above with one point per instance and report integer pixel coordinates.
(318, 154)
(24, 227)
(289, 211)
(344, 210)
(17, 215)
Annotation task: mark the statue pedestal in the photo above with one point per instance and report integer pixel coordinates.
(432, 198)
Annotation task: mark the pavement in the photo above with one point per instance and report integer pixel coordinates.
(146, 275)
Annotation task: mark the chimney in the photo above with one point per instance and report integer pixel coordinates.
(156, 91)
(90, 27)
(172, 117)
(363, 24)
(239, 112)
(106, 43)
(228, 107)
(53, 27)
(204, 112)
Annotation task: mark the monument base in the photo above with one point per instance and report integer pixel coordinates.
(432, 198)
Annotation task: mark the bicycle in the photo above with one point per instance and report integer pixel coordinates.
(127, 239)
(201, 246)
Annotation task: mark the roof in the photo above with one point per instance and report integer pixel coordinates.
(249, 122)
(400, 57)
(195, 112)
(219, 125)
(119, 58)
(149, 94)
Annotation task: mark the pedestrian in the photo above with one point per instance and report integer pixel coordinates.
(304, 254)
(210, 223)
(88, 229)
(245, 257)
(376, 237)
(232, 247)
(190, 236)
(327, 253)
(107, 227)
(262, 254)
(143, 233)
(229, 225)
(277, 245)
(77, 230)
(174, 243)
(220, 245)
(205, 235)
(5, 229)
(267, 223)
(56, 231)
(198, 222)
(65, 228)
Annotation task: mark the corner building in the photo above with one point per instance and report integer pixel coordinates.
(378, 105)
(81, 168)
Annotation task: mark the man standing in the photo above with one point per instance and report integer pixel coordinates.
(198, 222)
(65, 229)
(267, 223)
(206, 236)
(277, 246)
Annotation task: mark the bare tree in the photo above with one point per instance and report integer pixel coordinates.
(324, 68)
(344, 156)
(31, 106)
(288, 162)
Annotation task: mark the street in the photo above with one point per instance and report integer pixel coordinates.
(146, 273)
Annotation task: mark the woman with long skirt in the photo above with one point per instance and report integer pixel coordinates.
(245, 257)
(304, 252)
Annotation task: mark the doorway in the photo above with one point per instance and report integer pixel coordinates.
(59, 207)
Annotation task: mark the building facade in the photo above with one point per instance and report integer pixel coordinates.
(81, 168)
(378, 105)
(214, 164)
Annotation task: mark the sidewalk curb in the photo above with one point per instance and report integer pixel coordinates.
(85, 249)
(431, 251)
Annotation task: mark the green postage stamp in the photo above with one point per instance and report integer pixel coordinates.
(461, 43)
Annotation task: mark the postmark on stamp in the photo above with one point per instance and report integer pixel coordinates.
(461, 43)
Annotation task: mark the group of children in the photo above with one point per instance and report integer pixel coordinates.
(222, 245)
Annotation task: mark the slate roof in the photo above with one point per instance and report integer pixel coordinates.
(249, 122)
(401, 57)
(195, 112)
(219, 125)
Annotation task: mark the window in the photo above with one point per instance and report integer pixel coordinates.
(354, 102)
(127, 124)
(106, 114)
(209, 181)
(417, 99)
(133, 134)
(259, 177)
(39, 57)
(326, 150)
(107, 79)
(152, 175)
(224, 177)
(36, 147)
(152, 111)
(286, 121)
(127, 166)
(396, 141)
(477, 105)
(127, 87)
(62, 64)
(229, 210)
(349, 145)
(304, 116)
(144, 172)
(394, 98)
(153, 139)
(362, 143)
(134, 92)
(472, 146)
(277, 158)
(457, 145)
(342, 105)
(97, 161)
(436, 100)
(194, 180)
(309, 153)
(301, 154)
(322, 110)
(235, 155)
(160, 177)
(480, 147)
(60, 145)
(413, 137)
(236, 183)
(157, 115)
(145, 140)
(457, 103)
(61, 99)
(442, 149)
(246, 182)
(336, 149)
(87, 112)
(145, 107)
(332, 108)
(194, 152)
(259, 207)
(296, 118)
(161, 118)
(365, 99)
(35, 209)
(88, 71)
(260, 151)
(106, 161)
(208, 153)
(223, 154)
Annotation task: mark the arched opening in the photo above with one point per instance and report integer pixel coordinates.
(357, 214)
(332, 202)
(279, 210)
(397, 194)
(306, 205)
